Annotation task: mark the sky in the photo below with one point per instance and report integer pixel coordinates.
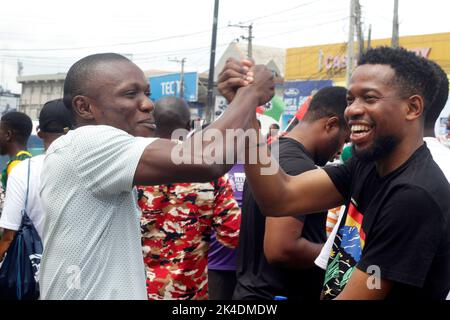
(48, 36)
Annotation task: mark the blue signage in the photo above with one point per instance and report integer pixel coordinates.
(170, 85)
(295, 94)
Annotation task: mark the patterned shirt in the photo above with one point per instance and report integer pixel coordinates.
(177, 222)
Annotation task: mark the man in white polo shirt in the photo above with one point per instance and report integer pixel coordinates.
(92, 247)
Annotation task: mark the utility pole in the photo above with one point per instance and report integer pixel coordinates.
(3, 68)
(19, 67)
(359, 33)
(351, 38)
(210, 96)
(395, 27)
(182, 78)
(249, 38)
(182, 61)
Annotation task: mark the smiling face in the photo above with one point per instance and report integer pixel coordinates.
(376, 112)
(119, 96)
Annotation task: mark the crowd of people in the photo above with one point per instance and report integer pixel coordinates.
(120, 218)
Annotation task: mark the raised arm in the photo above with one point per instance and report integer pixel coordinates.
(277, 193)
(207, 154)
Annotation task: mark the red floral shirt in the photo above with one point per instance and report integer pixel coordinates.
(176, 223)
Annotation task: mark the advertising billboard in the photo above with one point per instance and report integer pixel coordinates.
(296, 93)
(170, 85)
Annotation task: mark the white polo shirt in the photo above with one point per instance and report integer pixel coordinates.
(92, 239)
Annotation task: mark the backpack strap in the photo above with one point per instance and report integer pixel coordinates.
(28, 186)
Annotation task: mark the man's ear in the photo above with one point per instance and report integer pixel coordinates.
(40, 134)
(415, 106)
(332, 124)
(82, 107)
(9, 135)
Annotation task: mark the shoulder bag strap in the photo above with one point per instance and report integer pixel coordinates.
(28, 186)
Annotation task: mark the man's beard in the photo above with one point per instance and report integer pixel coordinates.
(381, 147)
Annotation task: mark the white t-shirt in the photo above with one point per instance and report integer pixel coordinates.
(322, 259)
(440, 154)
(92, 238)
(16, 193)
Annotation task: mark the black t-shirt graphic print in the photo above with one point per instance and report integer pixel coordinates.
(346, 252)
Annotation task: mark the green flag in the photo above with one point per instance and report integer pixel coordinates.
(274, 108)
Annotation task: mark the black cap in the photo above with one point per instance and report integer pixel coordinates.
(55, 117)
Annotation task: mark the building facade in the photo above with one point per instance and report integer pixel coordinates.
(37, 90)
(329, 61)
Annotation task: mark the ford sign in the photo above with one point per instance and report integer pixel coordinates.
(291, 92)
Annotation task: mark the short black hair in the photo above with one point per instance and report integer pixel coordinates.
(277, 126)
(171, 113)
(441, 97)
(413, 74)
(328, 102)
(81, 72)
(20, 124)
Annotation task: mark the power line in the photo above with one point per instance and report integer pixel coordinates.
(302, 17)
(161, 54)
(152, 40)
(303, 28)
(280, 12)
(136, 56)
(110, 45)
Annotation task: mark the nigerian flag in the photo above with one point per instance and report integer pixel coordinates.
(273, 109)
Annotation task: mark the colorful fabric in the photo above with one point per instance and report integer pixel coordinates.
(177, 222)
(20, 156)
(332, 219)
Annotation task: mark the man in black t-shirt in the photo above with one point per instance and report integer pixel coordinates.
(393, 241)
(276, 255)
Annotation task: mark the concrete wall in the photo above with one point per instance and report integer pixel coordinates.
(37, 92)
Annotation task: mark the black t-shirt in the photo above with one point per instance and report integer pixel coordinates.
(256, 278)
(397, 225)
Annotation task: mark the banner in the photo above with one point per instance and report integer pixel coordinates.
(296, 93)
(170, 85)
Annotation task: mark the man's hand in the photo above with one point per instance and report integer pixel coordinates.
(234, 75)
(5, 241)
(261, 80)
